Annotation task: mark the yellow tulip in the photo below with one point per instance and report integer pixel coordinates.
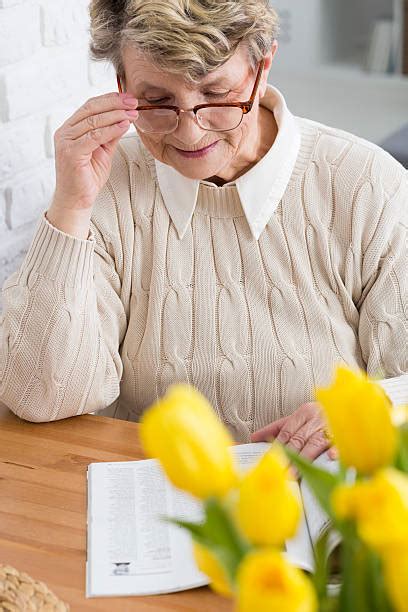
(268, 583)
(268, 508)
(379, 506)
(209, 564)
(191, 443)
(360, 422)
(395, 563)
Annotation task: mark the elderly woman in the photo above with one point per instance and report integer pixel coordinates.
(226, 243)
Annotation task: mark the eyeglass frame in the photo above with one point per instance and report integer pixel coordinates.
(244, 106)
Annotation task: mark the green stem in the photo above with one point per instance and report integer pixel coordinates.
(353, 594)
(320, 575)
(377, 594)
(363, 587)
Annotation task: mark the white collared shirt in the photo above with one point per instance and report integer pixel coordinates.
(260, 189)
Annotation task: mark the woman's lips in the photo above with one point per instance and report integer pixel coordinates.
(198, 153)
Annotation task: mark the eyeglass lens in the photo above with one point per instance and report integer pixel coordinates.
(163, 120)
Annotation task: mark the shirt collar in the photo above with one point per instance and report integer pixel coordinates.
(260, 189)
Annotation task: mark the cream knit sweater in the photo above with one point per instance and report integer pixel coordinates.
(254, 324)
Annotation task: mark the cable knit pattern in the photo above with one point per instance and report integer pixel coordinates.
(254, 324)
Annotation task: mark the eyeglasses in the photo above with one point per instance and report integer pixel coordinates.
(221, 117)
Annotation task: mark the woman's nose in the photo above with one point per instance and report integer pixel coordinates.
(188, 131)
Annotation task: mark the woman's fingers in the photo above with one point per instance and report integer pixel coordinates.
(303, 431)
(99, 104)
(295, 423)
(302, 434)
(300, 426)
(269, 432)
(284, 428)
(315, 446)
(99, 121)
(333, 453)
(94, 139)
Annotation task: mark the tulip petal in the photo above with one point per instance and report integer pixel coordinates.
(359, 416)
(193, 446)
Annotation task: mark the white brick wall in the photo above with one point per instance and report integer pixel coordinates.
(45, 75)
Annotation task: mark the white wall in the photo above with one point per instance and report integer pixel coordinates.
(45, 75)
(353, 23)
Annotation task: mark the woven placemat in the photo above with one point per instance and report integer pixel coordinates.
(21, 593)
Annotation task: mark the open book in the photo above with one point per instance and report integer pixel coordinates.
(132, 551)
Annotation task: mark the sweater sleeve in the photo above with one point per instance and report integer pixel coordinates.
(61, 329)
(383, 323)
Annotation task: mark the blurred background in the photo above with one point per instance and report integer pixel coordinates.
(340, 62)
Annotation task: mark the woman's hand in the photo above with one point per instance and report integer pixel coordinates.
(84, 149)
(304, 431)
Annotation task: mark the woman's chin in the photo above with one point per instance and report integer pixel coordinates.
(195, 169)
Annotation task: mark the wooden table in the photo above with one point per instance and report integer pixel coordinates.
(43, 507)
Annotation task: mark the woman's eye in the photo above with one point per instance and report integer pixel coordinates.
(157, 101)
(208, 94)
(216, 94)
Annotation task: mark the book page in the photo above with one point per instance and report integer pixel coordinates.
(131, 550)
(396, 388)
(247, 455)
(299, 549)
(314, 522)
(317, 520)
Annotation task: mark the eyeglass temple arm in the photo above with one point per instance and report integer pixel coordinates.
(258, 78)
(119, 84)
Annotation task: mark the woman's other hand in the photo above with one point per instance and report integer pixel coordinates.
(304, 431)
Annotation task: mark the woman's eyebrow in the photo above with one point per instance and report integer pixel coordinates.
(226, 82)
(145, 85)
(220, 82)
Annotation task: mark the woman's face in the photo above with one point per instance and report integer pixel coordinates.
(192, 151)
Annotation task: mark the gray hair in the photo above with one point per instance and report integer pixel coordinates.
(188, 37)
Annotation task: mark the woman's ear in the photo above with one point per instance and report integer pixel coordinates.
(267, 66)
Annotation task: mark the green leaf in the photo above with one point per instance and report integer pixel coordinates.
(401, 460)
(226, 542)
(219, 534)
(196, 529)
(320, 481)
(221, 526)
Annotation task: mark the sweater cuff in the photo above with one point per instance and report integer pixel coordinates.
(59, 257)
(396, 388)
